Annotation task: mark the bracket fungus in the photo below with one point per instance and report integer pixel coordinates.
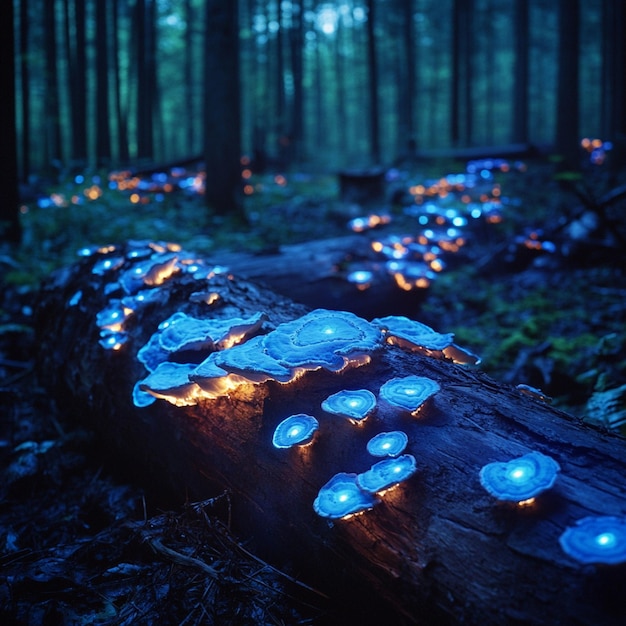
(105, 265)
(323, 338)
(354, 405)
(391, 443)
(189, 333)
(387, 473)
(596, 540)
(341, 498)
(408, 393)
(150, 272)
(521, 479)
(170, 381)
(414, 336)
(296, 430)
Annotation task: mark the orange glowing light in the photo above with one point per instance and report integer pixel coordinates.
(596, 143)
(585, 143)
(134, 198)
(168, 187)
(279, 179)
(441, 220)
(496, 191)
(248, 190)
(377, 246)
(246, 174)
(525, 503)
(465, 198)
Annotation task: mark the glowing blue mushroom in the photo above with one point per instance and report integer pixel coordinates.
(321, 338)
(170, 381)
(596, 540)
(151, 272)
(417, 337)
(108, 264)
(387, 473)
(390, 443)
(296, 430)
(341, 498)
(520, 479)
(113, 316)
(408, 393)
(354, 405)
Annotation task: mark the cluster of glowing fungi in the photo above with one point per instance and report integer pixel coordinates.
(250, 351)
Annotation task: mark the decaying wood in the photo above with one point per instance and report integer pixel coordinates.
(314, 274)
(437, 550)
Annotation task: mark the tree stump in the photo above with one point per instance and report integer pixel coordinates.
(362, 186)
(437, 549)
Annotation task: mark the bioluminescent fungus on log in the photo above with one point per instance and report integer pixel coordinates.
(408, 393)
(341, 498)
(387, 473)
(390, 443)
(296, 430)
(355, 405)
(598, 540)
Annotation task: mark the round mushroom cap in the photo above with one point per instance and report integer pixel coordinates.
(354, 405)
(390, 443)
(408, 393)
(296, 430)
(387, 473)
(599, 539)
(341, 497)
(520, 479)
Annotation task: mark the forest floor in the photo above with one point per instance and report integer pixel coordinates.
(81, 545)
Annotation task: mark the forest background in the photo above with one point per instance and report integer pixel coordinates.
(310, 85)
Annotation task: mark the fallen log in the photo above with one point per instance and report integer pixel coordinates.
(436, 549)
(315, 274)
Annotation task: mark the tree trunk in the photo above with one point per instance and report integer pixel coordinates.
(437, 550)
(222, 124)
(52, 123)
(568, 90)
(10, 227)
(103, 134)
(372, 63)
(25, 91)
(520, 88)
(121, 111)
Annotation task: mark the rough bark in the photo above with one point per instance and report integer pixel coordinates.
(438, 549)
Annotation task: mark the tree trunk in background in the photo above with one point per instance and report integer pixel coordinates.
(222, 123)
(438, 548)
(406, 83)
(191, 119)
(461, 97)
(296, 41)
(121, 112)
(10, 228)
(372, 61)
(25, 91)
(52, 120)
(613, 69)
(77, 72)
(145, 74)
(103, 115)
(567, 139)
(520, 86)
